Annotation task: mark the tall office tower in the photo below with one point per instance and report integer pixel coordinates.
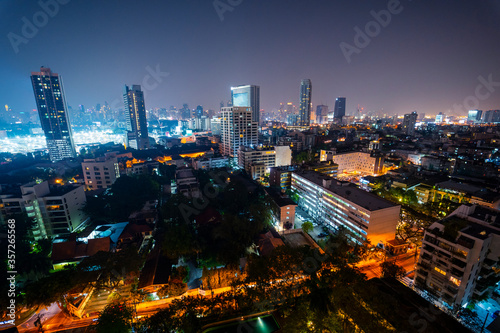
(321, 114)
(237, 129)
(339, 110)
(52, 109)
(409, 122)
(198, 112)
(137, 125)
(247, 96)
(305, 102)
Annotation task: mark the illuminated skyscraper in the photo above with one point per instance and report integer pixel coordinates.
(52, 109)
(339, 110)
(137, 125)
(305, 102)
(237, 129)
(247, 96)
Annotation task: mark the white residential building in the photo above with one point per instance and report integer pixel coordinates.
(237, 129)
(336, 204)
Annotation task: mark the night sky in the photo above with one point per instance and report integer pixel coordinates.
(428, 58)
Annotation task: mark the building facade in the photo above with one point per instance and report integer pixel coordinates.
(247, 96)
(305, 103)
(339, 110)
(100, 172)
(340, 205)
(459, 257)
(53, 113)
(237, 129)
(409, 122)
(262, 159)
(55, 211)
(368, 163)
(137, 125)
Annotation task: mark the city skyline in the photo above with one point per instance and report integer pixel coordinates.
(432, 66)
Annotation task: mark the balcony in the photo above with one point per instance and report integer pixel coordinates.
(459, 263)
(452, 290)
(457, 273)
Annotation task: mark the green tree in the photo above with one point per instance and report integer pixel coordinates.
(391, 270)
(307, 227)
(115, 318)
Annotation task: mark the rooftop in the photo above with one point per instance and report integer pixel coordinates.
(347, 191)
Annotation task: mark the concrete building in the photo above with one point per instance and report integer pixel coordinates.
(211, 163)
(283, 210)
(459, 255)
(187, 183)
(100, 172)
(326, 168)
(409, 122)
(282, 177)
(237, 129)
(369, 163)
(337, 205)
(55, 211)
(266, 158)
(247, 96)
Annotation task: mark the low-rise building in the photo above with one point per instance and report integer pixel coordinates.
(283, 210)
(341, 205)
(211, 163)
(329, 169)
(187, 183)
(363, 162)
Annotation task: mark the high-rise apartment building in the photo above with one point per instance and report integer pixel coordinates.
(409, 122)
(339, 110)
(54, 211)
(137, 125)
(305, 102)
(459, 255)
(247, 96)
(52, 109)
(237, 129)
